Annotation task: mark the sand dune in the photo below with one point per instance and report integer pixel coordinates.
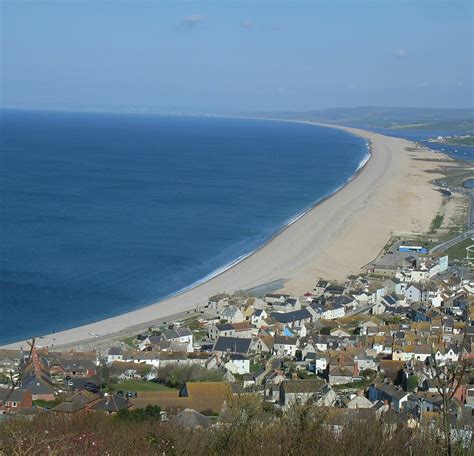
(336, 238)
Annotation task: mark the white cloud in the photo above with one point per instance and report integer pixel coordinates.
(399, 53)
(191, 21)
(247, 24)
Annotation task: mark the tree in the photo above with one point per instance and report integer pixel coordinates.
(449, 375)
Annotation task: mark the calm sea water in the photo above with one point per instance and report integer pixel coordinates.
(422, 136)
(104, 213)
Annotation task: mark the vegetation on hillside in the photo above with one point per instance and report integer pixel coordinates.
(247, 427)
(176, 376)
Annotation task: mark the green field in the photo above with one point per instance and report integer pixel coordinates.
(436, 223)
(469, 141)
(458, 252)
(141, 385)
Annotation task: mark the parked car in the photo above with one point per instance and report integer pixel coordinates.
(131, 394)
(92, 387)
(120, 393)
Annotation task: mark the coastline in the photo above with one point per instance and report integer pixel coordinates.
(298, 253)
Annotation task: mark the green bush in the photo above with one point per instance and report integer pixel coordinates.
(151, 412)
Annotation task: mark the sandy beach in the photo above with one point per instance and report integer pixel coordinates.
(336, 238)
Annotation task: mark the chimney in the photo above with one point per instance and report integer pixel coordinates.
(341, 360)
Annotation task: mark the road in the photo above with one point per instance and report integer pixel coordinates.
(448, 244)
(470, 214)
(470, 232)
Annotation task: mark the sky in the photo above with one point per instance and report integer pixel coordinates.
(219, 55)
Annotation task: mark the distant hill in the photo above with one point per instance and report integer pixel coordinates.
(396, 118)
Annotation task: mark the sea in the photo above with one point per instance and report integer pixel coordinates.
(463, 153)
(103, 213)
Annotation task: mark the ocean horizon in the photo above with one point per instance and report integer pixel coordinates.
(104, 213)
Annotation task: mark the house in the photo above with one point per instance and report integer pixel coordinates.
(217, 302)
(289, 305)
(470, 396)
(19, 399)
(225, 344)
(449, 354)
(413, 293)
(333, 311)
(318, 362)
(320, 287)
(205, 397)
(275, 298)
(9, 360)
(334, 290)
(238, 364)
(321, 343)
(421, 352)
(292, 319)
(192, 419)
(342, 369)
(114, 354)
(285, 346)
(74, 368)
(232, 314)
(360, 402)
(221, 329)
(262, 344)
(181, 335)
(258, 317)
(244, 329)
(314, 391)
(79, 402)
(340, 333)
(404, 353)
(364, 327)
(110, 404)
(37, 378)
(394, 395)
(385, 270)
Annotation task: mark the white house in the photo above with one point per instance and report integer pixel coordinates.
(285, 346)
(114, 354)
(258, 317)
(413, 293)
(238, 364)
(333, 311)
(232, 314)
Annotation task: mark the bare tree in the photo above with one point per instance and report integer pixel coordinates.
(449, 376)
(16, 376)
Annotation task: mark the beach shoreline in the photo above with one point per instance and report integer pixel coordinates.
(298, 253)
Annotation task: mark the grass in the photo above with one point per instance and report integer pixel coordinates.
(130, 341)
(458, 251)
(359, 385)
(456, 141)
(255, 367)
(436, 223)
(196, 327)
(141, 385)
(48, 404)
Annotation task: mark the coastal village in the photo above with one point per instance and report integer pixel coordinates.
(397, 339)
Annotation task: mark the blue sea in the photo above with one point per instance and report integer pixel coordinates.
(104, 213)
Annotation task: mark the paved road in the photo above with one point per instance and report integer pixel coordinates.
(470, 214)
(470, 223)
(360, 310)
(446, 245)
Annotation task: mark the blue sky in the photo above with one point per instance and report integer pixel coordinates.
(237, 55)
